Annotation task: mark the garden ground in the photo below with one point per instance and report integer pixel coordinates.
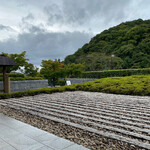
(95, 120)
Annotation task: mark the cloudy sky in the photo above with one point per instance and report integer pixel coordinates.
(52, 29)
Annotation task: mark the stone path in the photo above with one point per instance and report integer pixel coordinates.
(117, 117)
(15, 135)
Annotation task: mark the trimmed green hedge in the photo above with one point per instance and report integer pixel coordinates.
(13, 75)
(32, 92)
(131, 85)
(115, 73)
(25, 78)
(21, 78)
(61, 82)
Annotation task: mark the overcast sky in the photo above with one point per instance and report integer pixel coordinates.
(52, 29)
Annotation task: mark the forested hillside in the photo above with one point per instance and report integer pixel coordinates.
(129, 42)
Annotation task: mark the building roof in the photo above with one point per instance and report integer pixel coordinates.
(6, 61)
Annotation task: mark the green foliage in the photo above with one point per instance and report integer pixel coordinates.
(133, 85)
(99, 61)
(22, 62)
(19, 59)
(129, 42)
(23, 78)
(32, 92)
(30, 70)
(13, 75)
(115, 73)
(61, 82)
(73, 70)
(52, 70)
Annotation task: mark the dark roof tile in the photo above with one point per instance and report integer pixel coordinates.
(6, 61)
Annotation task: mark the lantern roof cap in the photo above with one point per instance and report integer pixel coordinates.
(6, 61)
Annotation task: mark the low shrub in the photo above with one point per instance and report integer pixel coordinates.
(31, 92)
(61, 82)
(115, 73)
(13, 75)
(131, 85)
(23, 78)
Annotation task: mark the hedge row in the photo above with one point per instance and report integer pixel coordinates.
(23, 78)
(34, 92)
(13, 75)
(131, 85)
(61, 82)
(115, 73)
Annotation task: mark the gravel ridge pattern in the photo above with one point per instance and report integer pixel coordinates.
(92, 119)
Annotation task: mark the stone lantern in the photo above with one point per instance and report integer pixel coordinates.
(4, 63)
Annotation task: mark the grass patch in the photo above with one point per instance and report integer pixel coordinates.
(131, 85)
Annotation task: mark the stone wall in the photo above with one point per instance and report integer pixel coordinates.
(79, 80)
(16, 86)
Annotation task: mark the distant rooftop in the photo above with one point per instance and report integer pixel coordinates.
(6, 61)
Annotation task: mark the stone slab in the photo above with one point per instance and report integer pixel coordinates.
(25, 137)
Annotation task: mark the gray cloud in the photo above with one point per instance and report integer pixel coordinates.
(45, 45)
(96, 15)
(55, 14)
(27, 24)
(82, 12)
(7, 28)
(35, 29)
(28, 18)
(82, 18)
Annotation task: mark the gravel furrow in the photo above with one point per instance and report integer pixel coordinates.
(141, 110)
(77, 111)
(125, 119)
(109, 100)
(93, 114)
(120, 110)
(92, 130)
(70, 116)
(116, 115)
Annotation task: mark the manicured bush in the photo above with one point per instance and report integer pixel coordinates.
(26, 78)
(131, 85)
(13, 75)
(21, 78)
(115, 73)
(31, 92)
(61, 82)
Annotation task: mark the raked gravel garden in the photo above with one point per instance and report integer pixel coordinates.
(98, 121)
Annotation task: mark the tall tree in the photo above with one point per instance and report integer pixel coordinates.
(52, 70)
(30, 70)
(74, 70)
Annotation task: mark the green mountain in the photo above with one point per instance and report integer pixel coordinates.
(129, 42)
